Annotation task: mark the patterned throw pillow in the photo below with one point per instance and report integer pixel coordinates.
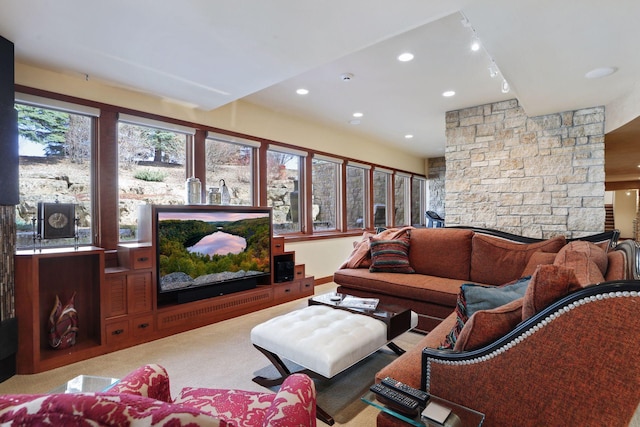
(461, 318)
(390, 256)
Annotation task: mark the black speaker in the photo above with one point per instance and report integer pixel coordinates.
(284, 271)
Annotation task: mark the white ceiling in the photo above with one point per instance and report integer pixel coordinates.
(208, 53)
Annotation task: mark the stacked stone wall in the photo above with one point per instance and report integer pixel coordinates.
(436, 182)
(534, 176)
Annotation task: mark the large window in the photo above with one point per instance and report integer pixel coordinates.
(58, 161)
(325, 182)
(151, 168)
(356, 197)
(401, 199)
(55, 149)
(381, 182)
(229, 163)
(284, 192)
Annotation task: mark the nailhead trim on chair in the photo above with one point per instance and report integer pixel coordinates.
(526, 334)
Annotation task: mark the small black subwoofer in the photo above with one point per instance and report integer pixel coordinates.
(284, 271)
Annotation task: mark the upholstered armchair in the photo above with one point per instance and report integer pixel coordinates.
(575, 363)
(143, 398)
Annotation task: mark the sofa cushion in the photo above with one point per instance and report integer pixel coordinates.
(441, 252)
(440, 291)
(586, 271)
(548, 284)
(473, 298)
(481, 297)
(538, 258)
(391, 256)
(496, 261)
(593, 252)
(485, 326)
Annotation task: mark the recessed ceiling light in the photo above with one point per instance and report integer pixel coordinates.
(405, 57)
(448, 93)
(597, 73)
(354, 122)
(302, 91)
(358, 114)
(408, 136)
(475, 44)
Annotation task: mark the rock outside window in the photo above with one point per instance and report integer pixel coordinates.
(56, 220)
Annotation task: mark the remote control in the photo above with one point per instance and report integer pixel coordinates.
(419, 395)
(402, 402)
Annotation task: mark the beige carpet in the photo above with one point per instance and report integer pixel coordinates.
(221, 356)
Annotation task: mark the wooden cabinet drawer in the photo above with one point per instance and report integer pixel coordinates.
(142, 326)
(117, 332)
(306, 286)
(135, 257)
(285, 290)
(277, 246)
(298, 272)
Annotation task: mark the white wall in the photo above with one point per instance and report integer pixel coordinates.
(624, 211)
(322, 257)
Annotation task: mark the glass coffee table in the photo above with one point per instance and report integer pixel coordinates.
(460, 416)
(86, 384)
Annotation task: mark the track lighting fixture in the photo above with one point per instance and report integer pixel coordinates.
(493, 70)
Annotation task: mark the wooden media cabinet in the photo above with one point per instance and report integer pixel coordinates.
(117, 301)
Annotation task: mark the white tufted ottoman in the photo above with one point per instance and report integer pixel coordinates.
(322, 339)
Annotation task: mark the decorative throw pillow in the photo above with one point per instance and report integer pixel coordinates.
(548, 284)
(586, 271)
(391, 256)
(473, 298)
(538, 258)
(486, 326)
(495, 261)
(480, 297)
(461, 318)
(592, 251)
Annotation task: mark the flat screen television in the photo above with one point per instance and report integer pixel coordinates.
(209, 250)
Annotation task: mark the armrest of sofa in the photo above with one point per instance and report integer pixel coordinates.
(104, 409)
(149, 381)
(294, 404)
(575, 362)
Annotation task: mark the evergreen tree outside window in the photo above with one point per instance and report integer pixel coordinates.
(152, 168)
(55, 161)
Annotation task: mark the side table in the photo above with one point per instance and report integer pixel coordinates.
(460, 416)
(86, 384)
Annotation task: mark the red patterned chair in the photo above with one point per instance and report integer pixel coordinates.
(143, 398)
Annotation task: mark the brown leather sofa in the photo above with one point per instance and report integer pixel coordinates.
(446, 258)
